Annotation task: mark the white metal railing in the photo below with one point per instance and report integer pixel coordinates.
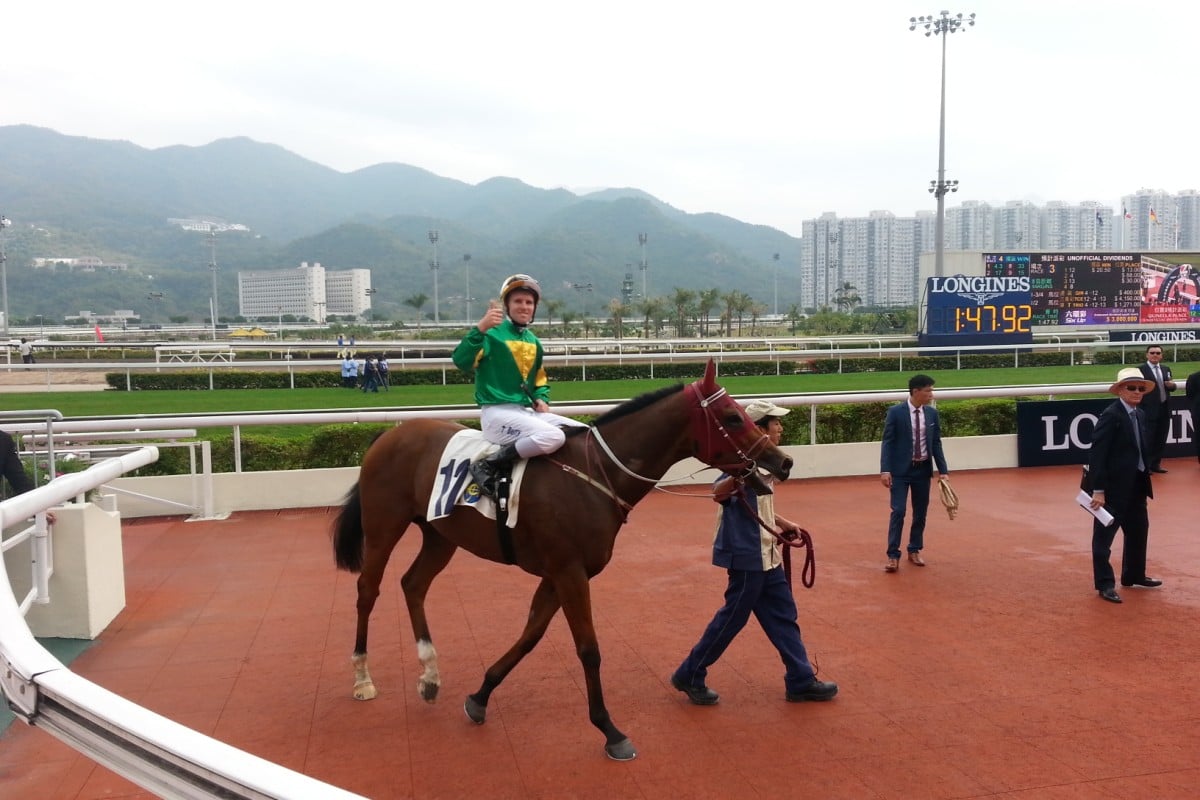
(160, 755)
(397, 415)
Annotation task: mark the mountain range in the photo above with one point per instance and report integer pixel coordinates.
(71, 197)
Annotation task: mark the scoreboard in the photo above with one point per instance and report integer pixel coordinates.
(1020, 292)
(1080, 289)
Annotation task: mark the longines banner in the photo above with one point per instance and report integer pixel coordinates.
(1053, 432)
(1155, 336)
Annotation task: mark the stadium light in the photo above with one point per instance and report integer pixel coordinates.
(5, 222)
(942, 25)
(433, 265)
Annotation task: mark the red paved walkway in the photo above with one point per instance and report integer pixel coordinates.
(995, 672)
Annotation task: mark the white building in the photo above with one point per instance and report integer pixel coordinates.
(300, 292)
(348, 291)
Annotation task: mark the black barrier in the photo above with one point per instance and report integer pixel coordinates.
(1052, 432)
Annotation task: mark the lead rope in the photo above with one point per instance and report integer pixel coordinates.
(799, 538)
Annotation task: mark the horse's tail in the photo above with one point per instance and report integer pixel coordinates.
(348, 533)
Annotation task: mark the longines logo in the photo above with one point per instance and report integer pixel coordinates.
(1060, 431)
(979, 288)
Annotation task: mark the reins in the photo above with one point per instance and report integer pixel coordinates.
(798, 538)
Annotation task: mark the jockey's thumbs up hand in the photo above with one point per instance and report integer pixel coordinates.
(493, 316)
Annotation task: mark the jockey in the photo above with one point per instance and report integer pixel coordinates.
(510, 384)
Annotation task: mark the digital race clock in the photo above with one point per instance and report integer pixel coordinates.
(985, 309)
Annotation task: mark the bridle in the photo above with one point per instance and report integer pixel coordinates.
(708, 433)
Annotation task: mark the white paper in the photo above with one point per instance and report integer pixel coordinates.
(1085, 500)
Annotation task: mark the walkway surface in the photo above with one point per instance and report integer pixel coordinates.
(994, 672)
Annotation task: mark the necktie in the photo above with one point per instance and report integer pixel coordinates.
(1162, 393)
(1136, 417)
(918, 450)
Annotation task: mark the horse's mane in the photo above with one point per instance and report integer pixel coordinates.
(630, 406)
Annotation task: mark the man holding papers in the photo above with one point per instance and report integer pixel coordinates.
(1119, 470)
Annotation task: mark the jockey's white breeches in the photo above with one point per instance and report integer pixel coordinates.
(534, 433)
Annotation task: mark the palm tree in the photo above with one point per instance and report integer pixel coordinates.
(682, 299)
(417, 301)
(846, 297)
(730, 300)
(706, 301)
(617, 311)
(736, 304)
(756, 311)
(793, 316)
(552, 307)
(652, 309)
(567, 316)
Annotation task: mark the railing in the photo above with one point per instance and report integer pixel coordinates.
(160, 755)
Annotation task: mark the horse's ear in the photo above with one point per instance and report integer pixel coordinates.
(709, 382)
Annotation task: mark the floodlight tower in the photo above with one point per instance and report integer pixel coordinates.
(467, 265)
(942, 25)
(5, 222)
(212, 265)
(433, 265)
(642, 242)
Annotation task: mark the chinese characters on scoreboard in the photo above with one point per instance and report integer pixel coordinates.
(1105, 288)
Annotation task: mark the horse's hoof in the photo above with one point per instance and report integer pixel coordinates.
(428, 691)
(476, 712)
(621, 751)
(365, 691)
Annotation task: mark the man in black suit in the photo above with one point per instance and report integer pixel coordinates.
(1118, 469)
(1155, 403)
(1192, 390)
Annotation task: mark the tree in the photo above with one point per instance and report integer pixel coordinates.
(756, 310)
(682, 300)
(417, 302)
(617, 311)
(552, 307)
(736, 304)
(567, 316)
(706, 301)
(794, 316)
(846, 298)
(652, 309)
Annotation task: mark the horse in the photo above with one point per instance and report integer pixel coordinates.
(604, 469)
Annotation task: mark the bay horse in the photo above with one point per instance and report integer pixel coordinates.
(603, 470)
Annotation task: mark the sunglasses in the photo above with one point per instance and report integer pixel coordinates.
(1135, 387)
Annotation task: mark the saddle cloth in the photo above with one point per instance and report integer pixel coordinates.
(455, 486)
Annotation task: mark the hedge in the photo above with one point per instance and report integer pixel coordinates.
(344, 445)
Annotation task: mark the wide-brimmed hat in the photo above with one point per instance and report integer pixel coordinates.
(1130, 375)
(757, 409)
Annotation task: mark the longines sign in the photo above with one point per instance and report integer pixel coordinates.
(1060, 431)
(1159, 336)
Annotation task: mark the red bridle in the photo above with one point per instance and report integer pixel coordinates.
(712, 440)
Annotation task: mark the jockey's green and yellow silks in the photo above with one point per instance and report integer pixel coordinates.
(507, 362)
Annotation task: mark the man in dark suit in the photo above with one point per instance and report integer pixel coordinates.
(1155, 405)
(1191, 390)
(912, 449)
(1118, 470)
(11, 467)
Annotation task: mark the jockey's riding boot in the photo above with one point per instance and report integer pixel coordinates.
(487, 470)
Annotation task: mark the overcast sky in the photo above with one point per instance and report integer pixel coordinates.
(770, 112)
